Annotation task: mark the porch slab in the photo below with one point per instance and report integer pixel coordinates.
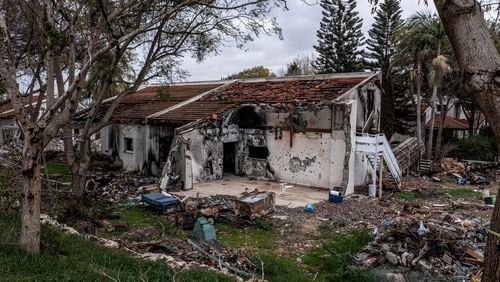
(295, 196)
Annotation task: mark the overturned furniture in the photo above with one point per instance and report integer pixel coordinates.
(255, 204)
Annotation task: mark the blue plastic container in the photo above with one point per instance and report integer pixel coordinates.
(333, 198)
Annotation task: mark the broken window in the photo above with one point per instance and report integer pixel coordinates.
(128, 144)
(338, 117)
(257, 152)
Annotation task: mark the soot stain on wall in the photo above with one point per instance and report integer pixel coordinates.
(297, 165)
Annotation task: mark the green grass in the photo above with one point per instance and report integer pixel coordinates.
(259, 240)
(58, 171)
(280, 269)
(137, 218)
(73, 258)
(333, 260)
(463, 193)
(407, 196)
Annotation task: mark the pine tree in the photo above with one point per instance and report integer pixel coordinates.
(381, 45)
(339, 38)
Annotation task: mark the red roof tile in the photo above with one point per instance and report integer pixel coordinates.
(449, 123)
(147, 101)
(277, 91)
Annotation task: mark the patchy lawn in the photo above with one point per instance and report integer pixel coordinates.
(254, 239)
(73, 258)
(465, 193)
(333, 260)
(58, 171)
(405, 195)
(138, 223)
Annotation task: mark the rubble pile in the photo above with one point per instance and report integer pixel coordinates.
(10, 156)
(189, 253)
(249, 205)
(115, 187)
(474, 172)
(444, 246)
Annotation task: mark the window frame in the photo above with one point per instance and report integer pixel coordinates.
(126, 142)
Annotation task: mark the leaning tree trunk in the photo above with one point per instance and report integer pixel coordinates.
(31, 198)
(479, 63)
(430, 141)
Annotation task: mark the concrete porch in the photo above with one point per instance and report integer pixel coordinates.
(296, 196)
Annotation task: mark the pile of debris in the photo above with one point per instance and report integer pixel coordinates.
(448, 246)
(474, 172)
(10, 156)
(112, 188)
(190, 253)
(247, 206)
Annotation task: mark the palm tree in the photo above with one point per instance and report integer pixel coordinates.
(428, 39)
(440, 69)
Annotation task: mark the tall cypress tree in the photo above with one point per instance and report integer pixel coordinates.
(339, 38)
(381, 46)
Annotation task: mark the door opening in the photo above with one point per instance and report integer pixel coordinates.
(229, 163)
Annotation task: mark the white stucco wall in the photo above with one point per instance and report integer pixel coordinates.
(134, 160)
(315, 159)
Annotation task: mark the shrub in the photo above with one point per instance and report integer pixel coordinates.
(483, 148)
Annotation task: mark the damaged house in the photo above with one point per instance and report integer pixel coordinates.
(319, 131)
(309, 130)
(137, 142)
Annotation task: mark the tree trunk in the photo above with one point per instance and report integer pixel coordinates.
(492, 259)
(387, 111)
(430, 141)
(439, 138)
(30, 210)
(479, 63)
(419, 107)
(79, 170)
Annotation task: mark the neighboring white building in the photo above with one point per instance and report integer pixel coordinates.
(9, 130)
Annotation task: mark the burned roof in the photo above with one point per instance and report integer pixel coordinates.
(295, 90)
(136, 107)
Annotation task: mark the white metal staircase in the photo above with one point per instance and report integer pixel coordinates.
(374, 147)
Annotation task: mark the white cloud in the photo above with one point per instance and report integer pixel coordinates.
(299, 25)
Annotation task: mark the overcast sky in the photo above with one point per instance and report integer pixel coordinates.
(299, 25)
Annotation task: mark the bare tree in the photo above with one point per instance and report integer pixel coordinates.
(53, 47)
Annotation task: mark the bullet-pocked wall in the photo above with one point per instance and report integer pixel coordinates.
(313, 145)
(265, 146)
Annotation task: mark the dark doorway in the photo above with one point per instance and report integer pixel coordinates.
(165, 143)
(229, 163)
